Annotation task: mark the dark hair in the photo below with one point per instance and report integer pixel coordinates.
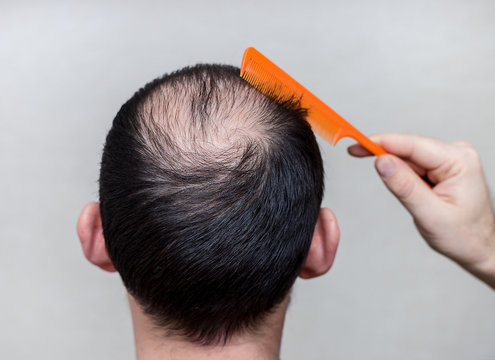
(209, 193)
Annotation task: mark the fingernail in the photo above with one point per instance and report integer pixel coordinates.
(385, 166)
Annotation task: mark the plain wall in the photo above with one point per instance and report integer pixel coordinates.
(425, 67)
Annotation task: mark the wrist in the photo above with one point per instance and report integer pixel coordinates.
(485, 269)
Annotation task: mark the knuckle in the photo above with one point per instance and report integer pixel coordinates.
(461, 144)
(471, 152)
(471, 156)
(467, 154)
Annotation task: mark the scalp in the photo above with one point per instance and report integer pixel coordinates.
(204, 118)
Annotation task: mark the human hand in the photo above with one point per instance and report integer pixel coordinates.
(455, 216)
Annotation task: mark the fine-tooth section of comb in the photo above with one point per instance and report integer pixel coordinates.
(265, 82)
(268, 84)
(273, 82)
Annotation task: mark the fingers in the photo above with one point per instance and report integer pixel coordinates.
(407, 186)
(426, 153)
(421, 153)
(358, 151)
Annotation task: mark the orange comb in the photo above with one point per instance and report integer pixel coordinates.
(268, 78)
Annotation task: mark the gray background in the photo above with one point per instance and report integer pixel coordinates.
(425, 67)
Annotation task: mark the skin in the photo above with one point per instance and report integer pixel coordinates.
(151, 344)
(455, 214)
(264, 344)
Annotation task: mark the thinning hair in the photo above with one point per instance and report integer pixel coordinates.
(209, 196)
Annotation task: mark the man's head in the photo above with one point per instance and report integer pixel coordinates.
(209, 196)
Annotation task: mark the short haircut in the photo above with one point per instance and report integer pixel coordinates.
(209, 194)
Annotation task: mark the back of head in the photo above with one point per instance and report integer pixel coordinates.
(209, 195)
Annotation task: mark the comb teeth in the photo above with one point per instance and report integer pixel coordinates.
(275, 83)
(265, 82)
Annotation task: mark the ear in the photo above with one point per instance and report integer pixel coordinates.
(323, 246)
(90, 234)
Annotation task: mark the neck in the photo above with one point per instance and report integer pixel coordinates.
(151, 344)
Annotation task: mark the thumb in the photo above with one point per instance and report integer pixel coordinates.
(407, 186)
